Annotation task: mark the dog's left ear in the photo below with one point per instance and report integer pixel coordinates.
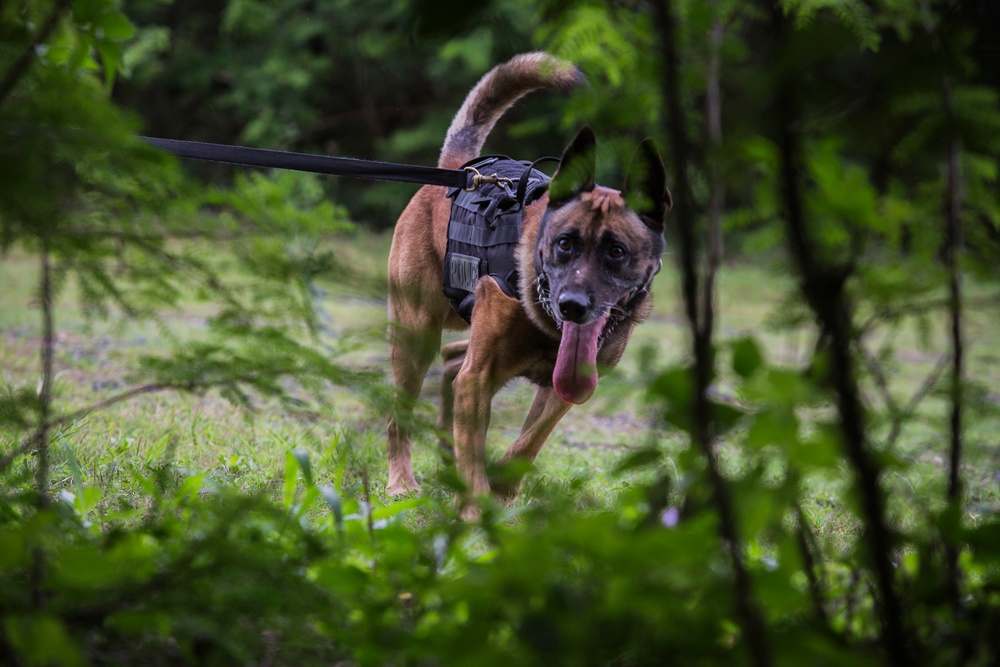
(645, 188)
(577, 168)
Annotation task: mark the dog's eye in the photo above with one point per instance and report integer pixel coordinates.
(617, 252)
(564, 244)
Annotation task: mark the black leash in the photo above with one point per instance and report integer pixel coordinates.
(317, 164)
(466, 179)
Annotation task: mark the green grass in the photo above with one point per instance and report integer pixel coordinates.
(247, 449)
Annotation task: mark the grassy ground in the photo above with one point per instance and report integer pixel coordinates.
(207, 434)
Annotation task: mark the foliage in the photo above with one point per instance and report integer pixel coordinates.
(859, 137)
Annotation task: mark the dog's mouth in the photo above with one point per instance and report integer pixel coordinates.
(575, 375)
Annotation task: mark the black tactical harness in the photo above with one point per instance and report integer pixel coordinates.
(485, 226)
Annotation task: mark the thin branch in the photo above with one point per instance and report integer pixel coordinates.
(881, 381)
(808, 548)
(851, 603)
(748, 613)
(904, 415)
(41, 435)
(953, 210)
(33, 440)
(39, 561)
(368, 501)
(716, 184)
(23, 62)
(894, 311)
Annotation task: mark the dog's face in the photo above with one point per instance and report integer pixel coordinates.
(595, 255)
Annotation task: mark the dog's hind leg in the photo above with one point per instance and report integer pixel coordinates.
(546, 411)
(453, 355)
(412, 351)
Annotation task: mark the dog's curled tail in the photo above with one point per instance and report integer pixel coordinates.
(496, 92)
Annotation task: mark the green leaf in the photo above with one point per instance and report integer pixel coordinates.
(288, 493)
(508, 471)
(675, 385)
(140, 622)
(74, 466)
(87, 501)
(773, 426)
(115, 26)
(89, 11)
(190, 487)
(16, 549)
(747, 358)
(725, 416)
(949, 523)
(985, 539)
(40, 639)
(640, 458)
(302, 456)
(393, 509)
(111, 55)
(85, 567)
(333, 501)
(821, 449)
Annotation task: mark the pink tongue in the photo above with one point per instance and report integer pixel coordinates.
(575, 374)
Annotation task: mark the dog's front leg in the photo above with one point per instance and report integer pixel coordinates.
(493, 357)
(546, 411)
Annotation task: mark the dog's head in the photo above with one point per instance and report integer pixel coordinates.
(596, 253)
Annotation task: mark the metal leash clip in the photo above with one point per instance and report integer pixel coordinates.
(493, 179)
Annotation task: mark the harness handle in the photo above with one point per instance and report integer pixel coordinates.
(522, 183)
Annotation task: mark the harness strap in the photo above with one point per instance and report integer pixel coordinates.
(522, 183)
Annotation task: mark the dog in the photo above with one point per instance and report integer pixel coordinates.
(586, 257)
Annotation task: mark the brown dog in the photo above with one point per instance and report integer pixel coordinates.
(585, 260)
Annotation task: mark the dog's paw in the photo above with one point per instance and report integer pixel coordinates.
(506, 491)
(402, 487)
(470, 513)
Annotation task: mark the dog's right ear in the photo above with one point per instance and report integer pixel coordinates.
(645, 187)
(577, 167)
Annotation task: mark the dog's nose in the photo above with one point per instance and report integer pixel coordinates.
(573, 306)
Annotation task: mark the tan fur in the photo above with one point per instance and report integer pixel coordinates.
(508, 338)
(603, 199)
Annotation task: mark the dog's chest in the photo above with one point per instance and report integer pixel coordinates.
(540, 372)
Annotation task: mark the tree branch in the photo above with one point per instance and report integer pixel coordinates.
(915, 399)
(716, 184)
(881, 382)
(748, 613)
(807, 546)
(39, 561)
(953, 209)
(23, 62)
(891, 311)
(823, 288)
(34, 440)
